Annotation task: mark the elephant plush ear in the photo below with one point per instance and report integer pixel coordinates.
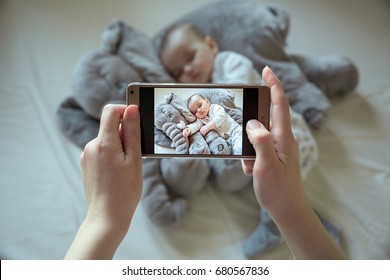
(136, 49)
(180, 105)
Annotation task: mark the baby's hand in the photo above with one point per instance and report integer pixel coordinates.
(186, 132)
(204, 129)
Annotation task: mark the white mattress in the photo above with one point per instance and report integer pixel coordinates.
(41, 197)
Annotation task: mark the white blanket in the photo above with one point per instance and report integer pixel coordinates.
(41, 197)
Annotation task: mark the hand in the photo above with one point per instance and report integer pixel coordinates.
(112, 166)
(186, 132)
(276, 169)
(278, 184)
(112, 172)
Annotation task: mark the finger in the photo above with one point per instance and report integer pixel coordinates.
(110, 121)
(262, 142)
(131, 131)
(247, 166)
(281, 120)
(85, 154)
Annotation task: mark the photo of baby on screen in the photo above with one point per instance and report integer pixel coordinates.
(203, 121)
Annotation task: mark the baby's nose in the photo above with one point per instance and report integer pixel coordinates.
(188, 68)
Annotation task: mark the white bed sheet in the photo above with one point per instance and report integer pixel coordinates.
(41, 197)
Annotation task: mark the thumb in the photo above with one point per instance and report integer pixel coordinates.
(262, 142)
(131, 132)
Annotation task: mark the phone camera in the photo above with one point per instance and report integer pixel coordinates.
(131, 91)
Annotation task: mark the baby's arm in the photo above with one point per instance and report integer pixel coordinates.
(207, 127)
(231, 67)
(192, 128)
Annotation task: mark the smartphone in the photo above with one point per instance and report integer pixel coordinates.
(198, 120)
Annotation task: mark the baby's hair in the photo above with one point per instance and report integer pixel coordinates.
(192, 96)
(188, 28)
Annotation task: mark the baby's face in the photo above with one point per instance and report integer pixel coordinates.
(189, 60)
(199, 106)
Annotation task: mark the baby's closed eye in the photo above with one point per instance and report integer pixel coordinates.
(190, 56)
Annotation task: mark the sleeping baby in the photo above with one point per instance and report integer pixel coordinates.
(213, 116)
(191, 57)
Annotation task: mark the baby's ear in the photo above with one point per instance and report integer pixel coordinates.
(212, 44)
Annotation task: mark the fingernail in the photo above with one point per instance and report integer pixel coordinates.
(133, 112)
(253, 124)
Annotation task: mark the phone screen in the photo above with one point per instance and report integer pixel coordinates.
(198, 122)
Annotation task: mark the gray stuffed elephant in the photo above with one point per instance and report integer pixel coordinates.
(259, 32)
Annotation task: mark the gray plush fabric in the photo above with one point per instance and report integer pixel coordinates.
(127, 55)
(102, 75)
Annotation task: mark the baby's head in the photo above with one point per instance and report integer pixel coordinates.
(198, 105)
(188, 54)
